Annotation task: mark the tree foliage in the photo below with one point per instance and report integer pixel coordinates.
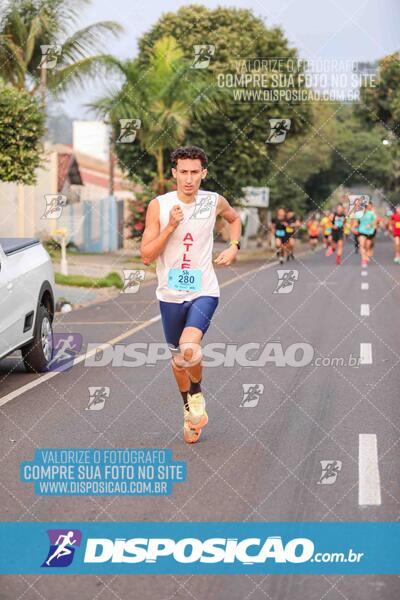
(21, 129)
(234, 134)
(381, 103)
(357, 156)
(379, 110)
(163, 100)
(26, 25)
(300, 157)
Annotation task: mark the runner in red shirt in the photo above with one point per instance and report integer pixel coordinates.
(395, 227)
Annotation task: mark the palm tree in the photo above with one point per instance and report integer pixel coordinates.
(26, 25)
(165, 96)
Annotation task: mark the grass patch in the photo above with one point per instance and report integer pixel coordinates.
(110, 280)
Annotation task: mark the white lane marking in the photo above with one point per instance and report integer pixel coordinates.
(364, 310)
(364, 286)
(32, 384)
(77, 360)
(369, 486)
(364, 273)
(365, 354)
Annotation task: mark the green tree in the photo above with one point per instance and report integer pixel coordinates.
(26, 25)
(300, 157)
(381, 103)
(379, 110)
(234, 134)
(21, 129)
(357, 156)
(160, 98)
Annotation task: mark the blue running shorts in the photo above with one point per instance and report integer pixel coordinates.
(191, 313)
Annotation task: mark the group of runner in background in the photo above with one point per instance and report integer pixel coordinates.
(334, 227)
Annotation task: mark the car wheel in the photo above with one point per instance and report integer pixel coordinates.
(38, 352)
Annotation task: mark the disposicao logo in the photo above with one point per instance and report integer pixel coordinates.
(191, 550)
(62, 547)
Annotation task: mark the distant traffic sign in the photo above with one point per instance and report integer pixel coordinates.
(257, 197)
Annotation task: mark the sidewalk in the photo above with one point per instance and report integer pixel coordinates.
(99, 265)
(96, 265)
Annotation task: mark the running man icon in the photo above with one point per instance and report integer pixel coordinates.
(66, 347)
(62, 547)
(279, 129)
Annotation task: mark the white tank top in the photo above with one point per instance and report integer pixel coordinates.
(189, 246)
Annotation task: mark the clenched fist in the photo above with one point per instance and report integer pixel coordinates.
(175, 216)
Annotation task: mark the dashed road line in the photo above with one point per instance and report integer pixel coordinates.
(364, 310)
(369, 485)
(365, 354)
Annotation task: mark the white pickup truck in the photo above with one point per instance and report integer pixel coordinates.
(26, 301)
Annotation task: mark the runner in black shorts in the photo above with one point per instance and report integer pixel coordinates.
(278, 227)
(367, 229)
(355, 223)
(291, 229)
(338, 222)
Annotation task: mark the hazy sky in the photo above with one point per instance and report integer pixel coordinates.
(348, 29)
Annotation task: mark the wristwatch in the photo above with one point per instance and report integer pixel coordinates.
(235, 243)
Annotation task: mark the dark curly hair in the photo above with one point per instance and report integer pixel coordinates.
(189, 152)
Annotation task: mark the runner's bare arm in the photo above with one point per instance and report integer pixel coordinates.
(154, 241)
(225, 210)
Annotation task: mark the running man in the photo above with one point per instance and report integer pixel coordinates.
(367, 232)
(313, 231)
(292, 223)
(62, 542)
(278, 227)
(395, 229)
(355, 224)
(65, 350)
(377, 226)
(347, 228)
(179, 236)
(338, 222)
(326, 225)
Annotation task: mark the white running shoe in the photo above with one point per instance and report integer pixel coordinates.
(197, 410)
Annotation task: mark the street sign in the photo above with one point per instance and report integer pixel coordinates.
(257, 197)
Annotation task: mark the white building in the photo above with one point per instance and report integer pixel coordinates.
(91, 138)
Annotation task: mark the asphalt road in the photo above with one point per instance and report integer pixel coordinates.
(252, 463)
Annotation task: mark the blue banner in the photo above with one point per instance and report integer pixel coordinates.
(200, 548)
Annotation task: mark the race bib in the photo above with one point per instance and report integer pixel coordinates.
(339, 221)
(188, 280)
(397, 224)
(280, 233)
(289, 229)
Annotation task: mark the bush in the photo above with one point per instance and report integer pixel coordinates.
(21, 129)
(110, 280)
